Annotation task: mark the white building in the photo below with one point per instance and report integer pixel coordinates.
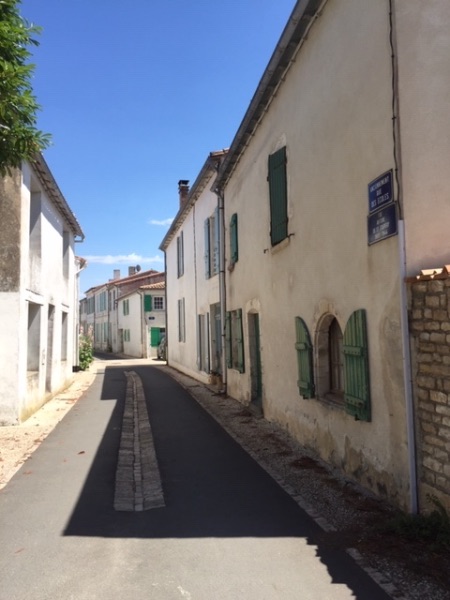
(193, 284)
(334, 188)
(38, 290)
(104, 317)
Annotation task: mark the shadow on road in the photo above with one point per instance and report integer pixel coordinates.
(212, 487)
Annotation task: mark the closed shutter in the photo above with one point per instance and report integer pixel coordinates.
(278, 196)
(234, 251)
(304, 349)
(147, 303)
(356, 365)
(207, 251)
(228, 339)
(240, 364)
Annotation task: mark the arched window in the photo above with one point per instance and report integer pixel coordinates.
(330, 360)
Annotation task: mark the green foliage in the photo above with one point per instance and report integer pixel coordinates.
(19, 137)
(86, 354)
(433, 528)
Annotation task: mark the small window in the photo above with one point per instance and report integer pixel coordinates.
(278, 196)
(126, 307)
(158, 303)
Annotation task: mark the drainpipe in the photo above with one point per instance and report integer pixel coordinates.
(222, 290)
(406, 349)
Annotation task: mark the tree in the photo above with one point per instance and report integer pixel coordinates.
(19, 137)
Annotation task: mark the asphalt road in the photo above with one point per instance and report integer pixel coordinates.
(227, 530)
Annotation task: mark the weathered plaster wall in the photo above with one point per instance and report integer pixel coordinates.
(333, 113)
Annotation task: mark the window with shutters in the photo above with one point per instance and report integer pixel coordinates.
(126, 307)
(180, 255)
(305, 363)
(235, 340)
(278, 196)
(234, 248)
(212, 242)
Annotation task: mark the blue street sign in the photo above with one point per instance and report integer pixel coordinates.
(380, 191)
(382, 224)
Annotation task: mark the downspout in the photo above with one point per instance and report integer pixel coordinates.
(406, 349)
(222, 289)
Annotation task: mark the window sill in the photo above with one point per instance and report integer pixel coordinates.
(333, 400)
(281, 245)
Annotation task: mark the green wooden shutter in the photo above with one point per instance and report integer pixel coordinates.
(304, 359)
(356, 365)
(228, 339)
(207, 250)
(147, 303)
(123, 307)
(278, 196)
(234, 250)
(240, 364)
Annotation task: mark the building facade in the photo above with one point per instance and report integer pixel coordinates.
(38, 291)
(334, 190)
(109, 319)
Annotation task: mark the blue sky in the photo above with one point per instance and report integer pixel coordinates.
(135, 95)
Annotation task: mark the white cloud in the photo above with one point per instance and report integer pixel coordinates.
(124, 259)
(163, 223)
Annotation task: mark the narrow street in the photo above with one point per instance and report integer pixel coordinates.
(226, 530)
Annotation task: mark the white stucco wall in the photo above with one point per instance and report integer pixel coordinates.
(49, 285)
(198, 291)
(134, 323)
(423, 45)
(333, 114)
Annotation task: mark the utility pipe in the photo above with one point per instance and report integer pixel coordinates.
(222, 289)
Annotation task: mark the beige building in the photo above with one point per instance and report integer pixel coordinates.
(334, 189)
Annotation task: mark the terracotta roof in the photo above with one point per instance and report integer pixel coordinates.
(161, 285)
(427, 274)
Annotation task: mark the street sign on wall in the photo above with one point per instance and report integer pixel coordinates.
(380, 191)
(382, 224)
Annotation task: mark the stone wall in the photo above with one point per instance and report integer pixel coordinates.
(430, 342)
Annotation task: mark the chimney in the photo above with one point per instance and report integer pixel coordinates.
(131, 271)
(116, 274)
(183, 190)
